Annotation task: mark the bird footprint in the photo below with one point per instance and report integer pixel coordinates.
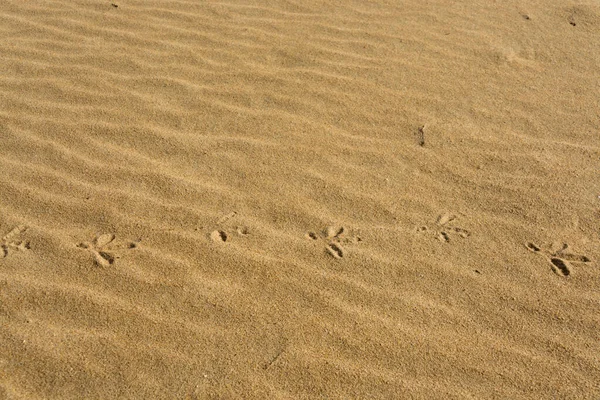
(9, 243)
(334, 237)
(443, 230)
(560, 259)
(103, 248)
(220, 235)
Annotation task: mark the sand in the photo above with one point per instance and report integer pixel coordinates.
(299, 199)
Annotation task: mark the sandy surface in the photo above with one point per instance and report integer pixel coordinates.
(299, 199)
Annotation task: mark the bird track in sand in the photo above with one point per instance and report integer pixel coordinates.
(103, 248)
(334, 237)
(443, 230)
(10, 243)
(559, 258)
(221, 234)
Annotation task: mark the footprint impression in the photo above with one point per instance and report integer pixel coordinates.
(334, 237)
(560, 259)
(10, 242)
(443, 229)
(221, 235)
(103, 248)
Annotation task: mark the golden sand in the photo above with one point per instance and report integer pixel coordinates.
(299, 199)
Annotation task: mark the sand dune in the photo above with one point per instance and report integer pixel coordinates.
(285, 199)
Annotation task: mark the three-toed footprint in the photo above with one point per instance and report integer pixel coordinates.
(334, 237)
(559, 258)
(221, 235)
(103, 248)
(10, 242)
(443, 230)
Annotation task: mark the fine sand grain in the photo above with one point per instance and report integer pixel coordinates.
(299, 199)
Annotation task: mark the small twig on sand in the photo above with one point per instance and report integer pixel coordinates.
(421, 136)
(273, 359)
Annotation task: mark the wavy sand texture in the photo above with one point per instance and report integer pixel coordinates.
(299, 199)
